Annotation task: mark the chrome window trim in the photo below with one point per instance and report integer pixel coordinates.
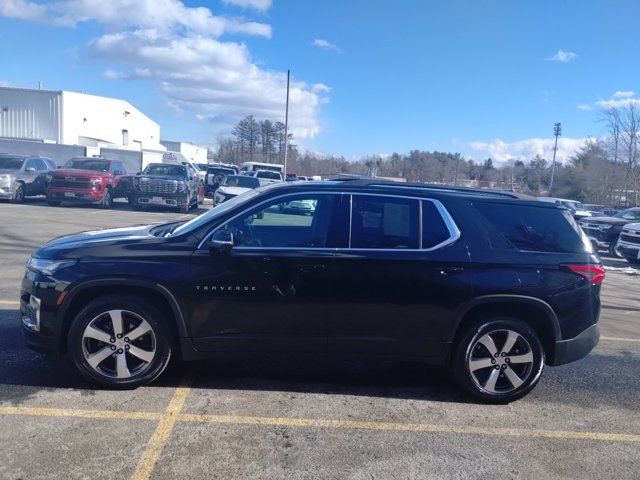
(454, 231)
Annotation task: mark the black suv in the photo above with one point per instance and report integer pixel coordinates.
(493, 285)
(604, 232)
(165, 185)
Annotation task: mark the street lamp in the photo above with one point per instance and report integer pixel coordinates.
(557, 131)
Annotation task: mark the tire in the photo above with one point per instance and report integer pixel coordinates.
(632, 261)
(506, 387)
(54, 203)
(186, 207)
(613, 250)
(18, 193)
(107, 199)
(114, 363)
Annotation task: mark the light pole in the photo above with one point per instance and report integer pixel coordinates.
(286, 127)
(557, 131)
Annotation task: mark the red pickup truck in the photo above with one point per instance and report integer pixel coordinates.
(88, 180)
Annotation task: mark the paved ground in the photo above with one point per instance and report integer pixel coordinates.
(313, 418)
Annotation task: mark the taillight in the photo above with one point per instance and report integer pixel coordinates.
(593, 273)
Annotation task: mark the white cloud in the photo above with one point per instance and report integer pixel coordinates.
(585, 107)
(562, 56)
(261, 5)
(179, 49)
(319, 42)
(501, 151)
(21, 9)
(624, 94)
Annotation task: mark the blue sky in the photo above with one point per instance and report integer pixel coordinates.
(480, 78)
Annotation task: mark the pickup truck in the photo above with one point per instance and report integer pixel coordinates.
(87, 180)
(166, 185)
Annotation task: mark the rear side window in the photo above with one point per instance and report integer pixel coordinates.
(384, 222)
(534, 229)
(434, 230)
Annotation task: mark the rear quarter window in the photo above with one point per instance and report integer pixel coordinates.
(534, 229)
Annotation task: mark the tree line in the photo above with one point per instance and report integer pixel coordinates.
(603, 171)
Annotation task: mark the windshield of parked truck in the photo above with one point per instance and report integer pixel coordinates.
(165, 170)
(628, 215)
(90, 164)
(11, 163)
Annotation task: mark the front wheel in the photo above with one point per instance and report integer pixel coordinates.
(107, 199)
(54, 203)
(613, 249)
(498, 360)
(120, 341)
(18, 193)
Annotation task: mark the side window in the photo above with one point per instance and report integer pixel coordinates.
(31, 163)
(384, 222)
(298, 221)
(40, 165)
(117, 167)
(434, 229)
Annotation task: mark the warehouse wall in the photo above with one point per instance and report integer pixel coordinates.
(56, 152)
(30, 114)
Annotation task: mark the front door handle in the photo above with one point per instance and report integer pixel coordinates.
(450, 270)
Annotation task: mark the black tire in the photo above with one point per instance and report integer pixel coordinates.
(632, 261)
(107, 199)
(613, 251)
(134, 306)
(54, 203)
(469, 349)
(18, 193)
(186, 207)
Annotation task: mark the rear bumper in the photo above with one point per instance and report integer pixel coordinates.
(567, 351)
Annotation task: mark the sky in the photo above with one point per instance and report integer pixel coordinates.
(486, 79)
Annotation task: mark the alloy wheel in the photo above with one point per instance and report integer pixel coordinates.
(119, 344)
(503, 369)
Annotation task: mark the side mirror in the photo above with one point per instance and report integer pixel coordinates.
(30, 170)
(221, 241)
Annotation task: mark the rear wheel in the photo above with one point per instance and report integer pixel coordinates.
(120, 341)
(498, 360)
(18, 193)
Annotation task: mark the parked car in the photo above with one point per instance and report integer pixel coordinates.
(166, 185)
(266, 175)
(234, 185)
(214, 177)
(490, 284)
(23, 176)
(299, 207)
(604, 232)
(87, 180)
(578, 209)
(629, 243)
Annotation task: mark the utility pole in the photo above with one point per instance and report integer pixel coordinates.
(557, 131)
(286, 127)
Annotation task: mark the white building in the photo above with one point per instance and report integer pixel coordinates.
(195, 153)
(72, 118)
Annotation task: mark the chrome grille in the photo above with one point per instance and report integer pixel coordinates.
(630, 239)
(153, 185)
(69, 183)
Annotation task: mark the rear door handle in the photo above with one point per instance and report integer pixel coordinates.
(449, 270)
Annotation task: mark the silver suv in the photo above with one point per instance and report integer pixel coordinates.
(22, 176)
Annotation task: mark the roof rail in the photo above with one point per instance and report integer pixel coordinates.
(374, 182)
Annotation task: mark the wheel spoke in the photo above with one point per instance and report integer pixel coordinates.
(481, 363)
(489, 344)
(140, 330)
(513, 377)
(144, 355)
(116, 321)
(122, 369)
(100, 356)
(512, 337)
(525, 358)
(490, 384)
(93, 332)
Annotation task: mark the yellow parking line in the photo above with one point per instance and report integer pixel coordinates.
(70, 412)
(620, 339)
(409, 427)
(168, 419)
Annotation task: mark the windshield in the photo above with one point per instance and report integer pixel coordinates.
(215, 212)
(83, 164)
(11, 163)
(268, 174)
(628, 215)
(241, 181)
(166, 170)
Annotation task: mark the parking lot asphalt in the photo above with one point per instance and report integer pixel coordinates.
(309, 417)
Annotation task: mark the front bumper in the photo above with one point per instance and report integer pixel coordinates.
(79, 195)
(630, 250)
(160, 200)
(6, 193)
(567, 351)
